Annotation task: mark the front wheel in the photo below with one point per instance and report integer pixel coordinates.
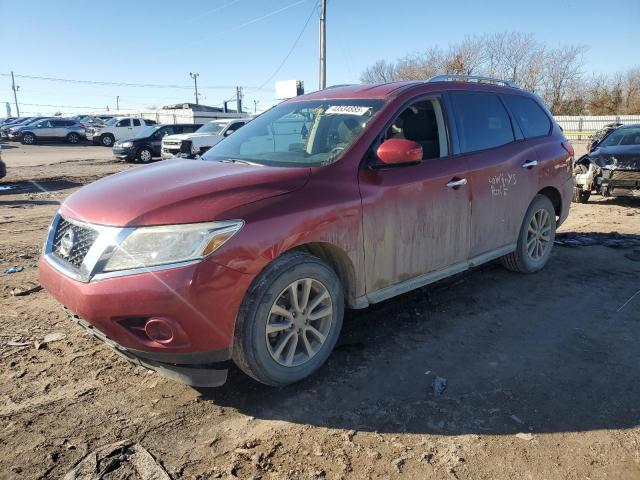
(580, 195)
(289, 321)
(535, 241)
(28, 138)
(107, 140)
(144, 155)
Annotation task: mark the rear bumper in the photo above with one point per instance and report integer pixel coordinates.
(566, 194)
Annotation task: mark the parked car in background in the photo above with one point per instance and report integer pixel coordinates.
(4, 129)
(191, 144)
(147, 143)
(52, 129)
(612, 166)
(14, 133)
(343, 197)
(7, 120)
(115, 129)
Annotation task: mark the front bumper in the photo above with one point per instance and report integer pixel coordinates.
(122, 153)
(202, 298)
(15, 136)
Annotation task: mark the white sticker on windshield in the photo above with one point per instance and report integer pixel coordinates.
(347, 110)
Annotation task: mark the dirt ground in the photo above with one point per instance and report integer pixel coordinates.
(543, 374)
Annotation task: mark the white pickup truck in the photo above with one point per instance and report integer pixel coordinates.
(116, 129)
(191, 144)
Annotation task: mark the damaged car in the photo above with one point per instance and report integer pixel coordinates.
(612, 166)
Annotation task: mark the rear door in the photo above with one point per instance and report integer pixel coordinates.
(416, 217)
(501, 171)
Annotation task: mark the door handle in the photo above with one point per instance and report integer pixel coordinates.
(530, 164)
(457, 183)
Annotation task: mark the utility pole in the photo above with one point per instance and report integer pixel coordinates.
(15, 95)
(239, 99)
(195, 82)
(255, 106)
(117, 102)
(323, 45)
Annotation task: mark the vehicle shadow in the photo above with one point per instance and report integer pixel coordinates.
(10, 203)
(547, 352)
(39, 186)
(621, 201)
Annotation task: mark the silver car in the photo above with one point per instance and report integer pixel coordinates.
(56, 129)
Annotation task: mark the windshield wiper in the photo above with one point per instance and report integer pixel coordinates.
(238, 160)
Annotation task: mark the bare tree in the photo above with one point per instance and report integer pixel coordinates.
(562, 73)
(379, 72)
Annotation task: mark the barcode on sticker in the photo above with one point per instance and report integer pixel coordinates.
(347, 110)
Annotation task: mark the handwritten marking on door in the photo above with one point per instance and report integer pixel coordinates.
(501, 183)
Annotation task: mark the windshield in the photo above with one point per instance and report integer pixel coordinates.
(147, 132)
(293, 134)
(622, 136)
(214, 128)
(111, 121)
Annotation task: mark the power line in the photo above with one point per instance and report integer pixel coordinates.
(122, 84)
(295, 44)
(251, 22)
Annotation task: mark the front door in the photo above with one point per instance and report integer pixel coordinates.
(416, 218)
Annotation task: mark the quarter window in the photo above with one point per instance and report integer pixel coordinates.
(482, 121)
(532, 120)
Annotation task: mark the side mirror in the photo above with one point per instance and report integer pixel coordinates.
(228, 132)
(396, 151)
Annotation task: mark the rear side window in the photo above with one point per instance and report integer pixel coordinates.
(482, 121)
(136, 122)
(531, 118)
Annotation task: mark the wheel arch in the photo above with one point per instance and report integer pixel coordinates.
(553, 194)
(336, 258)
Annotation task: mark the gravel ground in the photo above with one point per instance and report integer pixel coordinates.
(542, 372)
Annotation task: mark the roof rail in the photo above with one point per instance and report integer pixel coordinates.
(451, 77)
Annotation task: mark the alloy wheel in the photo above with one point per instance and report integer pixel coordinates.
(299, 322)
(539, 234)
(145, 155)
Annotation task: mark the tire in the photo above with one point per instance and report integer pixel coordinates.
(73, 138)
(144, 155)
(28, 138)
(256, 352)
(522, 260)
(107, 140)
(580, 196)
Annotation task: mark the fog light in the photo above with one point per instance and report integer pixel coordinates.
(159, 330)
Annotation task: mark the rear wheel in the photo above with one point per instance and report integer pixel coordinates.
(107, 140)
(535, 241)
(73, 138)
(289, 321)
(28, 138)
(144, 155)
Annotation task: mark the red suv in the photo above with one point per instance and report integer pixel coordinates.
(341, 198)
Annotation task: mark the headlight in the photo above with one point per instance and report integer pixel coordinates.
(152, 246)
(126, 144)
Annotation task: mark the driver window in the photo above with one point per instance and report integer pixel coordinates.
(423, 123)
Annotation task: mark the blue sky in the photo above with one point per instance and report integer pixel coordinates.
(242, 42)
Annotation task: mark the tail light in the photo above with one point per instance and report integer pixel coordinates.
(568, 147)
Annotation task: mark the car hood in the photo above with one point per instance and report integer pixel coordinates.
(621, 157)
(179, 191)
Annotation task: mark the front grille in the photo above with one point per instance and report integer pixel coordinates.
(76, 245)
